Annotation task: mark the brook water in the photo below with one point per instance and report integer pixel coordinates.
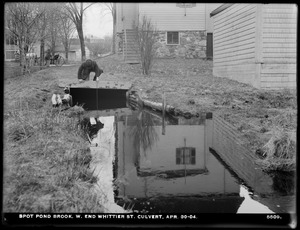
(177, 165)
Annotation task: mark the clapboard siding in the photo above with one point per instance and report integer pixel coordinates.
(279, 46)
(167, 16)
(235, 17)
(277, 85)
(256, 44)
(127, 15)
(244, 37)
(238, 71)
(285, 19)
(234, 36)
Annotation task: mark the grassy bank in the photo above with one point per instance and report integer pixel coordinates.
(46, 155)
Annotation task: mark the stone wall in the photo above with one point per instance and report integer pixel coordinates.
(192, 45)
(119, 43)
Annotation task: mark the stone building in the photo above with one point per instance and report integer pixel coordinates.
(184, 29)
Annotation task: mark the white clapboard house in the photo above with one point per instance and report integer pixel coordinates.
(256, 44)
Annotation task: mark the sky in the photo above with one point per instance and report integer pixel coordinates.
(96, 22)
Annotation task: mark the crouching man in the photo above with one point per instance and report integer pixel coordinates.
(86, 68)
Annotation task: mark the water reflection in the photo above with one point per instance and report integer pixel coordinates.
(195, 166)
(143, 131)
(156, 168)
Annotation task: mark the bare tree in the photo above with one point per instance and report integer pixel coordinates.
(22, 20)
(76, 11)
(111, 8)
(66, 32)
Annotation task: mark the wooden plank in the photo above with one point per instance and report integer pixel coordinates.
(272, 85)
(279, 60)
(279, 45)
(249, 53)
(279, 36)
(281, 25)
(245, 73)
(245, 20)
(271, 78)
(235, 30)
(108, 112)
(235, 54)
(288, 76)
(234, 10)
(230, 39)
(268, 30)
(279, 20)
(258, 35)
(167, 16)
(231, 49)
(280, 6)
(281, 40)
(279, 50)
(132, 61)
(279, 55)
(277, 68)
(102, 85)
(235, 63)
(237, 70)
(281, 10)
(246, 41)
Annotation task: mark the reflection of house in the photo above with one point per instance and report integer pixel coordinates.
(184, 29)
(176, 164)
(256, 44)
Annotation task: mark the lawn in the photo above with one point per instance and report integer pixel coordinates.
(46, 155)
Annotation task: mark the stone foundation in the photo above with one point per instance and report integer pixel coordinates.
(192, 45)
(119, 43)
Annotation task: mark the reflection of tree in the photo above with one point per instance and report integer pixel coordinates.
(144, 132)
(90, 129)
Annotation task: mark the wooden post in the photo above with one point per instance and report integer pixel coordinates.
(163, 113)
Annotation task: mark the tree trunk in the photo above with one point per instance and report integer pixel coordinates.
(81, 38)
(114, 28)
(42, 53)
(67, 56)
(23, 57)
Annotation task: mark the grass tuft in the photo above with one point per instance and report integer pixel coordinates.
(279, 152)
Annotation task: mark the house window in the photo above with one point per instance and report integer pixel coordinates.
(185, 156)
(172, 38)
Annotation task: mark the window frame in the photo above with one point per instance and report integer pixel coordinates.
(178, 37)
(186, 156)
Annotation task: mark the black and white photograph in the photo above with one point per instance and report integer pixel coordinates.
(150, 114)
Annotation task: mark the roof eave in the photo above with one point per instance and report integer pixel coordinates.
(220, 9)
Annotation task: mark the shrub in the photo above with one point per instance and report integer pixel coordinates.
(145, 35)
